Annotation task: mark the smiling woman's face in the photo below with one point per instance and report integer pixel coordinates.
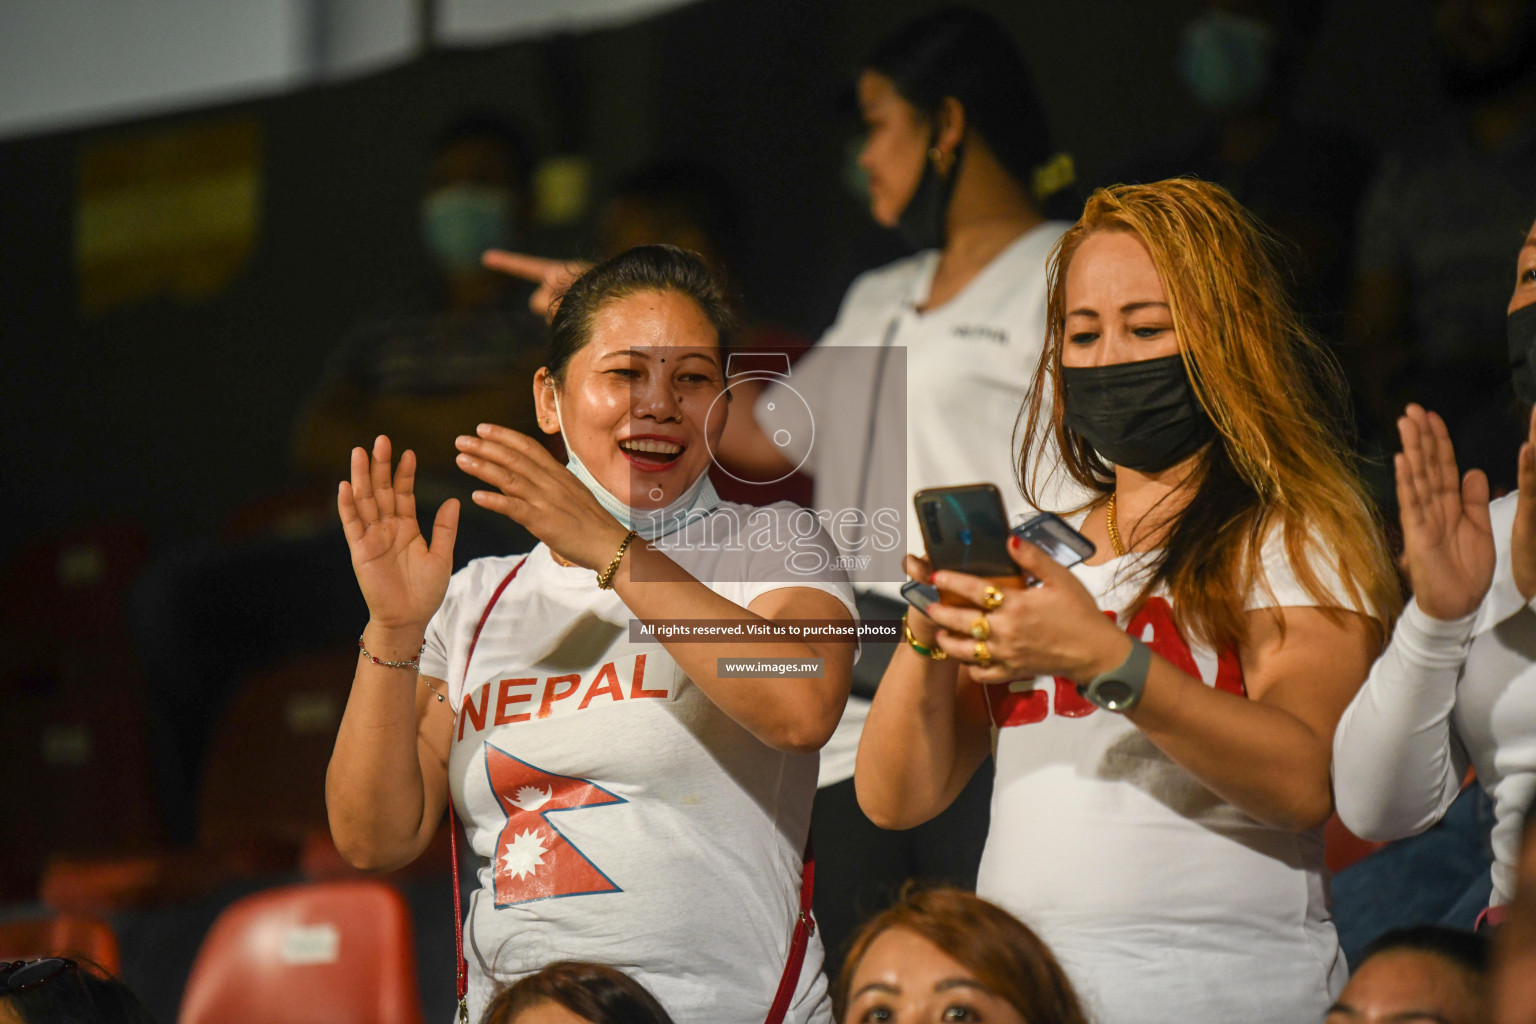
(905, 979)
(642, 397)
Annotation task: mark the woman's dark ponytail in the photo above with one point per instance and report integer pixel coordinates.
(969, 55)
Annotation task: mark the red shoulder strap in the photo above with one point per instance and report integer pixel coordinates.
(461, 966)
(805, 927)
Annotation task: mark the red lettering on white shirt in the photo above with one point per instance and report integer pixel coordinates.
(478, 711)
(1154, 625)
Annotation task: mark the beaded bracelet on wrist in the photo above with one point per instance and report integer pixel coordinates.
(414, 664)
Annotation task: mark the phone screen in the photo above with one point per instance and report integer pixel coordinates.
(965, 529)
(919, 595)
(1051, 533)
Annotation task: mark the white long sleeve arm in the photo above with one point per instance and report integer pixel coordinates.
(1397, 764)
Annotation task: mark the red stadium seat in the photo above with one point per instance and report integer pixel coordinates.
(107, 884)
(302, 511)
(1341, 847)
(64, 602)
(76, 765)
(340, 952)
(262, 796)
(82, 938)
(77, 780)
(264, 778)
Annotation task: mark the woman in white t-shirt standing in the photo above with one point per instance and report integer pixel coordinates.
(919, 381)
(1161, 717)
(634, 804)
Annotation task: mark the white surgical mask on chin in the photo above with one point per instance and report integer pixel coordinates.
(696, 502)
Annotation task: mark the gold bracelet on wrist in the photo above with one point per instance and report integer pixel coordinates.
(934, 653)
(605, 578)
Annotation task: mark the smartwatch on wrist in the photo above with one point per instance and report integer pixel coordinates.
(1120, 688)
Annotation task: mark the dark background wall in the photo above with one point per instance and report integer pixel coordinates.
(174, 414)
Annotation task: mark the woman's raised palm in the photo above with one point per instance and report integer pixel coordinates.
(1447, 536)
(403, 579)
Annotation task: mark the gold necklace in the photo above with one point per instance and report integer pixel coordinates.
(1114, 531)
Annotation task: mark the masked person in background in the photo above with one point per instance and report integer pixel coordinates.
(208, 613)
(960, 161)
(1162, 715)
(1435, 230)
(1241, 61)
(420, 376)
(1457, 685)
(520, 690)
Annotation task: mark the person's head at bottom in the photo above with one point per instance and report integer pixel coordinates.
(56, 989)
(1422, 975)
(944, 955)
(573, 992)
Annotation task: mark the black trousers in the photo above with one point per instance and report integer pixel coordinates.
(860, 867)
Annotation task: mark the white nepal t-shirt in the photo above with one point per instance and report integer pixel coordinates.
(622, 816)
(1163, 902)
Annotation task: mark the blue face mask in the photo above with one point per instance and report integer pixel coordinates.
(459, 222)
(1225, 60)
(697, 501)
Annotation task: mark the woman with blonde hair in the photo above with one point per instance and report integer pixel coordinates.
(1161, 715)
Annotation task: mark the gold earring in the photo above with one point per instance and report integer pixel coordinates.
(942, 161)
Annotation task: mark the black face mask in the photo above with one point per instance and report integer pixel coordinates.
(924, 221)
(1522, 353)
(1143, 416)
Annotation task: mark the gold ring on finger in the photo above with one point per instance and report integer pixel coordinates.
(983, 656)
(981, 629)
(991, 597)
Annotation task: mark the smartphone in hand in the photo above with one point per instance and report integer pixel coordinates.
(965, 529)
(919, 595)
(1052, 535)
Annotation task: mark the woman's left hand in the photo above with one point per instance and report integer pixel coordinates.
(541, 494)
(1054, 629)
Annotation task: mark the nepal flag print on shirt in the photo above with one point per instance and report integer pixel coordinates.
(534, 860)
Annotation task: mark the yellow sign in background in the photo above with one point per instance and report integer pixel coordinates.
(167, 211)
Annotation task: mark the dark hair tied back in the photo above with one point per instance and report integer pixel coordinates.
(645, 268)
(966, 54)
(595, 992)
(1467, 950)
